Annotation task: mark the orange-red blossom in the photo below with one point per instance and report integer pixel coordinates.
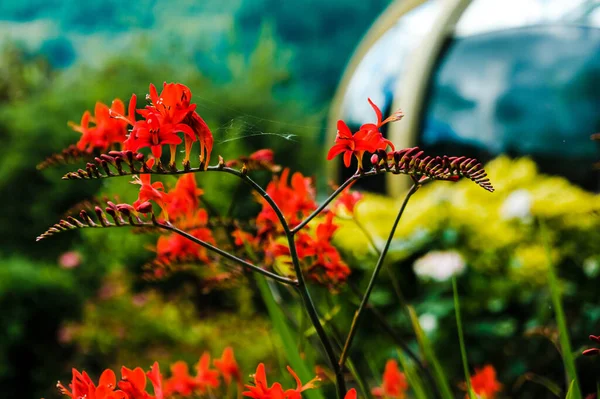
(106, 130)
(394, 382)
(484, 382)
(367, 139)
(260, 388)
(169, 113)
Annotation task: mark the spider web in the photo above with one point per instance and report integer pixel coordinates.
(247, 126)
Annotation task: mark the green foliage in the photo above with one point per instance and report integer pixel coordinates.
(288, 340)
(32, 295)
(121, 327)
(505, 300)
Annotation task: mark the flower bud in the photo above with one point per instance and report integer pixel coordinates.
(145, 207)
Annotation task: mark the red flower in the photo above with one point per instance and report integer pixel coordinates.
(242, 237)
(184, 197)
(373, 134)
(205, 377)
(325, 264)
(346, 201)
(133, 383)
(351, 394)
(181, 382)
(153, 132)
(228, 366)
(296, 201)
(156, 379)
(175, 248)
(295, 393)
(261, 389)
(150, 192)
(82, 387)
(484, 382)
(107, 130)
(394, 382)
(203, 135)
(173, 105)
(170, 113)
(350, 144)
(367, 139)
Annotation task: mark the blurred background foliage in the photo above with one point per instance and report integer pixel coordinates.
(262, 73)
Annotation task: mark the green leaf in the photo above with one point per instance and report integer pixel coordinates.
(429, 353)
(287, 338)
(563, 336)
(463, 351)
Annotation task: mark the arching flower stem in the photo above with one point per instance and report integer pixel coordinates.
(378, 266)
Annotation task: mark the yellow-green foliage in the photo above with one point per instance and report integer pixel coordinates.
(495, 232)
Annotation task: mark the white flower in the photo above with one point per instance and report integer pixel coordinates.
(517, 205)
(439, 265)
(428, 322)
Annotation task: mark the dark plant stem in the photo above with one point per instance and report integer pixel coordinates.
(389, 330)
(378, 266)
(300, 282)
(325, 203)
(381, 318)
(393, 279)
(227, 255)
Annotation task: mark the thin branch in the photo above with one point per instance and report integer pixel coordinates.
(397, 339)
(325, 203)
(378, 266)
(227, 255)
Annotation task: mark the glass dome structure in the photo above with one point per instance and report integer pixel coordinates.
(482, 78)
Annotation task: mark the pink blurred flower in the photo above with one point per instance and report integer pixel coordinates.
(69, 260)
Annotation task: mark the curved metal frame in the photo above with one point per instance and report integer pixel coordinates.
(413, 85)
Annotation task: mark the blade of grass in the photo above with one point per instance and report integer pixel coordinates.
(360, 381)
(287, 338)
(412, 376)
(461, 340)
(571, 391)
(545, 382)
(438, 373)
(563, 332)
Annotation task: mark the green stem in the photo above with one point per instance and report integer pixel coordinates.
(463, 351)
(563, 332)
(378, 266)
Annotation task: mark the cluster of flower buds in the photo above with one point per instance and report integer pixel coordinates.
(121, 214)
(68, 155)
(412, 162)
